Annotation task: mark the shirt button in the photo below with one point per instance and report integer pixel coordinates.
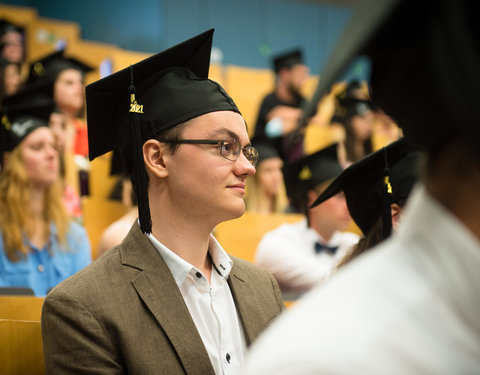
(228, 357)
(199, 275)
(41, 268)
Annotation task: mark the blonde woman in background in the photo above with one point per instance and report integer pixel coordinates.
(266, 189)
(39, 244)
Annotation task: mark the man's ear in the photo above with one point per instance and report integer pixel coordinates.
(154, 155)
(396, 215)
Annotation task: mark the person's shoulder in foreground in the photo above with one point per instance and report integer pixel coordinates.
(365, 319)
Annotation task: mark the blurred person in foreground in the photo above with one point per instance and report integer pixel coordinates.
(299, 255)
(409, 306)
(39, 244)
(168, 299)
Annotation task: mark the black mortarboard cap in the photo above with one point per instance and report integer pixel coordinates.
(424, 73)
(310, 171)
(287, 60)
(48, 67)
(265, 150)
(138, 103)
(7, 26)
(374, 182)
(21, 117)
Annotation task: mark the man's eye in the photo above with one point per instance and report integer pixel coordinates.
(228, 147)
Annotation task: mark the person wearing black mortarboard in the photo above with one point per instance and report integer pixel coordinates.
(168, 299)
(376, 203)
(266, 190)
(68, 75)
(301, 254)
(39, 244)
(355, 115)
(409, 306)
(12, 42)
(280, 110)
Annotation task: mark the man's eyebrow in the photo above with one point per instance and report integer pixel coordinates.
(226, 132)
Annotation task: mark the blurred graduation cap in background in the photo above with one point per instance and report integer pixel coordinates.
(49, 66)
(424, 73)
(372, 184)
(140, 102)
(21, 117)
(308, 172)
(8, 26)
(287, 59)
(265, 150)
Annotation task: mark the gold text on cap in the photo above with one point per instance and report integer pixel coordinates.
(305, 174)
(134, 106)
(389, 186)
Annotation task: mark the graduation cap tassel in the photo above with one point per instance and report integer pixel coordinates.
(139, 174)
(387, 201)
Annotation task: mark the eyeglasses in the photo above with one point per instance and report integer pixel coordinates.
(229, 148)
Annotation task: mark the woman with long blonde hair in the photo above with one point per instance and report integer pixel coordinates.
(39, 244)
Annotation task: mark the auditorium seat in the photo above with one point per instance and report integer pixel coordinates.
(241, 236)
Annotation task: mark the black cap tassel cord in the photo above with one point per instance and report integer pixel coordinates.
(387, 201)
(138, 175)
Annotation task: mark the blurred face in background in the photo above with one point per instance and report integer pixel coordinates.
(58, 126)
(13, 48)
(40, 157)
(362, 125)
(69, 91)
(296, 77)
(11, 79)
(333, 214)
(269, 175)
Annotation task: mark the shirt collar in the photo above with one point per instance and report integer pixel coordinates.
(180, 268)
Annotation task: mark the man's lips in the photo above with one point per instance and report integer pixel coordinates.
(238, 187)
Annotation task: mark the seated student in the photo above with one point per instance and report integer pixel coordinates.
(12, 42)
(168, 299)
(280, 110)
(266, 189)
(68, 77)
(376, 206)
(10, 78)
(301, 254)
(354, 116)
(39, 245)
(42, 90)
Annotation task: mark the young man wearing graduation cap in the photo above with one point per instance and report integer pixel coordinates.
(411, 305)
(281, 109)
(168, 299)
(301, 254)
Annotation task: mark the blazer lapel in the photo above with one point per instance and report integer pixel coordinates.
(157, 288)
(248, 306)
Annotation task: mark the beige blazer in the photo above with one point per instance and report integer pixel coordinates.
(124, 314)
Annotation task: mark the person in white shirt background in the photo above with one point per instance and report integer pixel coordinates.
(301, 254)
(411, 305)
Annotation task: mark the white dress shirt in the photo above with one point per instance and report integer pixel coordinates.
(288, 252)
(211, 305)
(409, 306)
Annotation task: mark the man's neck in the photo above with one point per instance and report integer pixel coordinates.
(183, 235)
(455, 183)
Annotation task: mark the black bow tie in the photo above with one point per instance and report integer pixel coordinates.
(328, 249)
